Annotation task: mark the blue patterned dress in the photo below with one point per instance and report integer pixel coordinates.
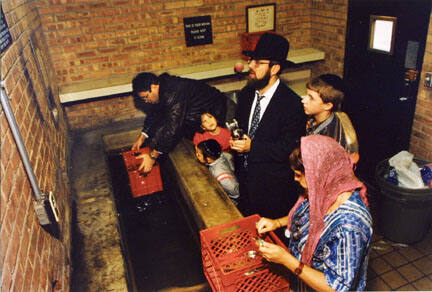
(342, 252)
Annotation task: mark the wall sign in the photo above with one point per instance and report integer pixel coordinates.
(198, 30)
(261, 17)
(5, 37)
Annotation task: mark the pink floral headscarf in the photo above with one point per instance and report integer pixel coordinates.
(329, 172)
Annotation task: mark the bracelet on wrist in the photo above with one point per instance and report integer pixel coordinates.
(299, 269)
(152, 156)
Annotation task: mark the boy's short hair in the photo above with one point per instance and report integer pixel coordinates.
(142, 82)
(210, 148)
(330, 87)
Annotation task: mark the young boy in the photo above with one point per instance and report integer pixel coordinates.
(211, 130)
(323, 103)
(220, 166)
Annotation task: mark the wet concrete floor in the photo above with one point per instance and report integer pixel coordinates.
(97, 256)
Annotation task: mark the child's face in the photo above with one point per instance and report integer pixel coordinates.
(313, 104)
(208, 122)
(199, 155)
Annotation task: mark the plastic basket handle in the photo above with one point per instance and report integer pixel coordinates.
(229, 229)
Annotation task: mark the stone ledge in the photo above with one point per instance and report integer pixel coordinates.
(204, 196)
(206, 199)
(122, 84)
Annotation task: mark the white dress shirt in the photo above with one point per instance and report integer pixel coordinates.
(264, 101)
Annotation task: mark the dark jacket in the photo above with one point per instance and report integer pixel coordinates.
(268, 180)
(178, 112)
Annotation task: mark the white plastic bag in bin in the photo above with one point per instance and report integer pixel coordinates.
(407, 170)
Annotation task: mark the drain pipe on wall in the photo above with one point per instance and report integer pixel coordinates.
(44, 204)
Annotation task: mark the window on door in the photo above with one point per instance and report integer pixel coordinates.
(381, 33)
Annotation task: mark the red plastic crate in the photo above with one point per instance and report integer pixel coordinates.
(227, 265)
(129, 158)
(142, 183)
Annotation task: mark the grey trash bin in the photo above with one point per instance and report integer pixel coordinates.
(404, 214)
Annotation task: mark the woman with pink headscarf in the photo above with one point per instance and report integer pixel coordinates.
(330, 226)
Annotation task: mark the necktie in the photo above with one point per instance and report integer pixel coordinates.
(254, 124)
(255, 117)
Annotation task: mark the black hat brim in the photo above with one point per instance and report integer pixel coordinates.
(254, 55)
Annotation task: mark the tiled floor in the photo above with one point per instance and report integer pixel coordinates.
(400, 267)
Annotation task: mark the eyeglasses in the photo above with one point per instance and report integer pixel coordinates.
(257, 63)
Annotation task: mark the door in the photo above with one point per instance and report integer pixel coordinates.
(382, 75)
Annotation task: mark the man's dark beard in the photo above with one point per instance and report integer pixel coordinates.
(259, 84)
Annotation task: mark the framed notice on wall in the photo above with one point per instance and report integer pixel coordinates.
(5, 36)
(261, 17)
(198, 30)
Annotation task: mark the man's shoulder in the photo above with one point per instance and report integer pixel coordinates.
(286, 97)
(247, 90)
(246, 95)
(282, 89)
(167, 77)
(285, 90)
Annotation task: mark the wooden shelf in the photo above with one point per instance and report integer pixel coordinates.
(305, 55)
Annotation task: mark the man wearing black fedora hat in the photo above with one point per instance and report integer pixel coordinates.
(272, 115)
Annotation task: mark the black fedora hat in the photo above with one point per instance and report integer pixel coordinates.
(271, 46)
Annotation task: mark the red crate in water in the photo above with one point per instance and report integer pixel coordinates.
(130, 158)
(231, 261)
(142, 183)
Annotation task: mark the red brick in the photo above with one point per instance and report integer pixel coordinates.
(3, 206)
(24, 245)
(36, 280)
(6, 277)
(18, 280)
(28, 272)
(7, 181)
(40, 244)
(12, 251)
(33, 240)
(5, 231)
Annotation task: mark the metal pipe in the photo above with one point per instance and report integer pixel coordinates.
(19, 142)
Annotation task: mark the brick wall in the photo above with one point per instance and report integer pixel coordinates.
(421, 137)
(31, 259)
(101, 112)
(91, 41)
(98, 39)
(328, 23)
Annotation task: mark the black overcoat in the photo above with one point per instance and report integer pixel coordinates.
(178, 112)
(267, 185)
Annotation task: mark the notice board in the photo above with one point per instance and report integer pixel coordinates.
(198, 30)
(5, 37)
